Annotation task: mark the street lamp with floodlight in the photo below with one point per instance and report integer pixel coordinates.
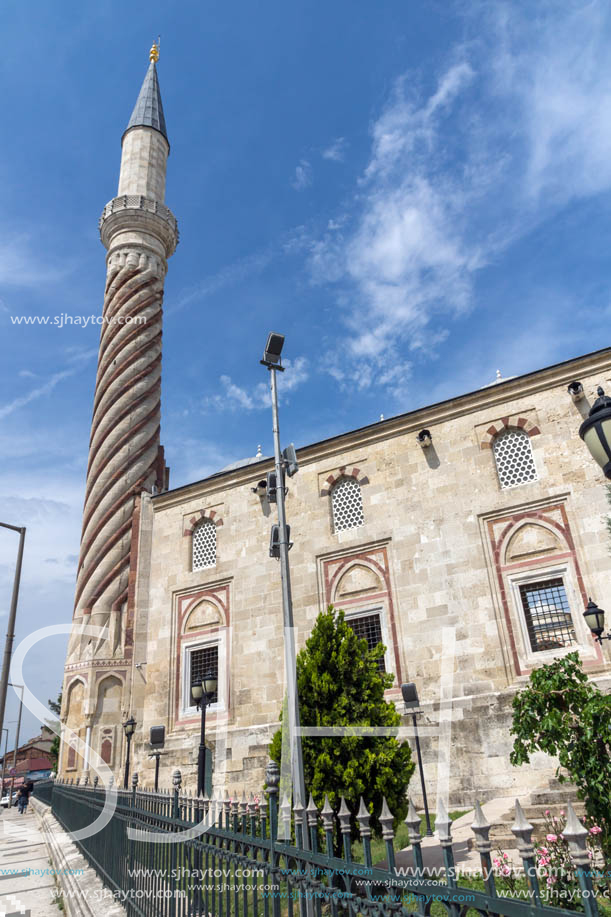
(10, 634)
(285, 463)
(128, 728)
(202, 691)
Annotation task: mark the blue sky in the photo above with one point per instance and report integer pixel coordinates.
(416, 194)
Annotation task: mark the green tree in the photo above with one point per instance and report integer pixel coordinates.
(55, 706)
(340, 684)
(563, 714)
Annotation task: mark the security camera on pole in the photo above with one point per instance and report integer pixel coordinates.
(280, 544)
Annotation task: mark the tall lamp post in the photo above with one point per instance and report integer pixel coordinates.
(16, 749)
(279, 547)
(10, 634)
(203, 691)
(128, 728)
(5, 730)
(412, 702)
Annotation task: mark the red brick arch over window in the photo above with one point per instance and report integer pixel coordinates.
(343, 472)
(514, 423)
(200, 514)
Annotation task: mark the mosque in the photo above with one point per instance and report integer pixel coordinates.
(465, 536)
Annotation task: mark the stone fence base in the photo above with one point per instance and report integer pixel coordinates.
(83, 893)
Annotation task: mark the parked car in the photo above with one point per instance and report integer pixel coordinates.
(6, 801)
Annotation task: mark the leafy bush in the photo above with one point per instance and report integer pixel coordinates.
(563, 714)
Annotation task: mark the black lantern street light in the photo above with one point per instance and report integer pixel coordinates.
(203, 691)
(128, 728)
(412, 702)
(595, 619)
(595, 431)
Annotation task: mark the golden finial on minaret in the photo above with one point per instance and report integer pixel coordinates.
(154, 52)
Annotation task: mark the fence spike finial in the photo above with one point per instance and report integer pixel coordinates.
(312, 813)
(412, 820)
(575, 834)
(363, 817)
(522, 830)
(386, 820)
(177, 779)
(327, 815)
(135, 780)
(481, 829)
(344, 817)
(96, 780)
(443, 824)
(272, 777)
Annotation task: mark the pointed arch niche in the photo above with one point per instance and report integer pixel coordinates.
(541, 588)
(74, 720)
(359, 583)
(107, 734)
(202, 628)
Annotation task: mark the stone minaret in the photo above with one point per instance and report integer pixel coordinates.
(125, 457)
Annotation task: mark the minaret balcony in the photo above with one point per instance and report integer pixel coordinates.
(134, 212)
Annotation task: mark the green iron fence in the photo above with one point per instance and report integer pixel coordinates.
(229, 858)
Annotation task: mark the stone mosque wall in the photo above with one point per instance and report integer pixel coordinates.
(423, 548)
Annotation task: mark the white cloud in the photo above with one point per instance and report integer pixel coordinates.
(336, 152)
(303, 176)
(234, 397)
(517, 125)
(78, 358)
(22, 263)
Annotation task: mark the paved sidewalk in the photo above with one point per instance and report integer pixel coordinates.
(26, 885)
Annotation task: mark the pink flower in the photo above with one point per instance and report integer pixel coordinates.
(505, 856)
(551, 880)
(595, 830)
(562, 811)
(547, 812)
(506, 871)
(496, 862)
(543, 850)
(590, 854)
(551, 838)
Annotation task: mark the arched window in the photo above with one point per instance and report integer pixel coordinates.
(347, 504)
(514, 459)
(204, 545)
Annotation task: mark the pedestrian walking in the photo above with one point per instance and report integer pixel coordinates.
(23, 796)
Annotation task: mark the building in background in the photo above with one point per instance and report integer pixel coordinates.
(476, 524)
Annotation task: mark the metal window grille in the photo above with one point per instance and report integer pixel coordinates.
(203, 661)
(370, 628)
(548, 616)
(347, 505)
(514, 458)
(204, 545)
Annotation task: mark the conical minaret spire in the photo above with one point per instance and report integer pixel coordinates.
(125, 457)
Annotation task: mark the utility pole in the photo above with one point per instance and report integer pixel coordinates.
(10, 634)
(271, 359)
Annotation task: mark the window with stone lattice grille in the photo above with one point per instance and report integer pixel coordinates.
(203, 661)
(513, 455)
(369, 628)
(547, 614)
(204, 545)
(347, 505)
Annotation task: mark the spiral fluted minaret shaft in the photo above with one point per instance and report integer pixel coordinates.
(125, 456)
